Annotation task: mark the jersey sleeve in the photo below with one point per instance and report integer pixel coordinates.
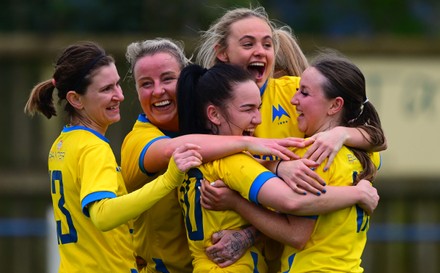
(98, 174)
(244, 174)
(133, 151)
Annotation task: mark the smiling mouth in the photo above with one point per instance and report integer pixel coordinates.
(248, 132)
(162, 103)
(257, 69)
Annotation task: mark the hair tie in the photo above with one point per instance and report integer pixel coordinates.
(360, 112)
(53, 82)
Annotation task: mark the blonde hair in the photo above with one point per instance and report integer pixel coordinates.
(219, 31)
(137, 50)
(290, 60)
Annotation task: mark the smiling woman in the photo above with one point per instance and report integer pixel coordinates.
(212, 101)
(90, 200)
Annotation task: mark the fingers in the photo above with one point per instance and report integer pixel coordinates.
(206, 197)
(285, 154)
(223, 263)
(218, 184)
(307, 182)
(187, 156)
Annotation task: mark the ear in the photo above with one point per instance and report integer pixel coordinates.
(336, 106)
(74, 99)
(213, 114)
(221, 54)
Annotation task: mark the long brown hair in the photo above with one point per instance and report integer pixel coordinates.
(73, 71)
(344, 79)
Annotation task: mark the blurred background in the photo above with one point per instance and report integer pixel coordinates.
(396, 43)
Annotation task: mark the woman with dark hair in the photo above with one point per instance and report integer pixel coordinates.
(225, 100)
(332, 93)
(92, 209)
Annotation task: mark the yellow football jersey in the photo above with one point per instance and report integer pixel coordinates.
(339, 238)
(241, 173)
(278, 115)
(83, 170)
(159, 233)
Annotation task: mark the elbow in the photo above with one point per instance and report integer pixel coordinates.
(296, 242)
(292, 206)
(101, 224)
(103, 227)
(300, 245)
(97, 217)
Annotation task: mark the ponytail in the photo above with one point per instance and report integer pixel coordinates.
(191, 117)
(41, 100)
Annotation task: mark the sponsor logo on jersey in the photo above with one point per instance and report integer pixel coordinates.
(278, 112)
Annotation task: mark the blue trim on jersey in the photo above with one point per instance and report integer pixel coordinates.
(95, 196)
(143, 118)
(144, 151)
(290, 262)
(67, 129)
(263, 88)
(359, 218)
(258, 182)
(167, 134)
(380, 161)
(255, 260)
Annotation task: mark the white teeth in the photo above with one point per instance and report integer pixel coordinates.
(256, 64)
(162, 103)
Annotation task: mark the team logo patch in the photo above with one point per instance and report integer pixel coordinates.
(278, 112)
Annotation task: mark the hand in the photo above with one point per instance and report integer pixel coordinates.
(217, 196)
(187, 156)
(300, 177)
(230, 245)
(276, 147)
(326, 145)
(370, 197)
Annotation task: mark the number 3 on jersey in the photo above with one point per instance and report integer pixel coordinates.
(56, 178)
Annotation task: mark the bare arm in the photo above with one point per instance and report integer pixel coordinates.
(298, 174)
(159, 153)
(276, 194)
(288, 229)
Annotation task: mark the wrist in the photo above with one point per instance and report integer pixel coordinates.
(344, 133)
(277, 167)
(359, 193)
(245, 140)
(173, 176)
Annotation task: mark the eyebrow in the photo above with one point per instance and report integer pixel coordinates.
(251, 105)
(253, 38)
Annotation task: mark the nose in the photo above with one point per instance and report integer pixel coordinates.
(158, 90)
(119, 94)
(257, 118)
(259, 50)
(294, 99)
